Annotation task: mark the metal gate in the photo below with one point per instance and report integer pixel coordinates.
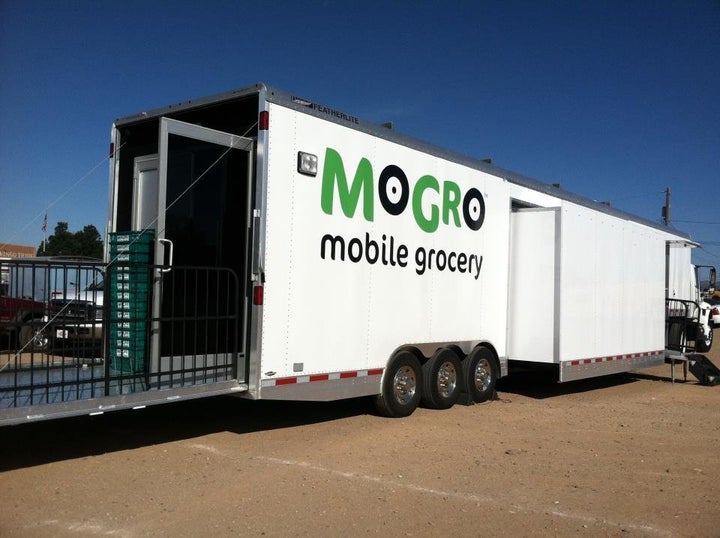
(69, 332)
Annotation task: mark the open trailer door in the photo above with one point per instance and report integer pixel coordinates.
(534, 287)
(199, 295)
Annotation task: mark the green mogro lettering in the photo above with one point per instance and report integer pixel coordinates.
(334, 173)
(426, 224)
(451, 201)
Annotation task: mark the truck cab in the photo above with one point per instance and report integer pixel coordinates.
(688, 323)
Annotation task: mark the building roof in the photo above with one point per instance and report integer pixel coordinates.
(16, 251)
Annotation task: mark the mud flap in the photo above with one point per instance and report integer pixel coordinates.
(702, 368)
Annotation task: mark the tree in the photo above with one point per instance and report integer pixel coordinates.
(65, 243)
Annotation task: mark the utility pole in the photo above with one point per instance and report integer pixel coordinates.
(666, 208)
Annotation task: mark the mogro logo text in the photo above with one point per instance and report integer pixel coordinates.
(394, 193)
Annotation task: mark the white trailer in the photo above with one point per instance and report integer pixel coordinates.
(301, 253)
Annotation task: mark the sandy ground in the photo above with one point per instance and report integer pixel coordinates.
(627, 455)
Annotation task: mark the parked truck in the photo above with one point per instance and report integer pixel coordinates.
(689, 320)
(270, 247)
(49, 299)
(22, 307)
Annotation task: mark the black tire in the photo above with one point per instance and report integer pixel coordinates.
(442, 380)
(676, 337)
(703, 346)
(30, 339)
(400, 393)
(480, 372)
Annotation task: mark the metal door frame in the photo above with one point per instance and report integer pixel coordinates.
(187, 130)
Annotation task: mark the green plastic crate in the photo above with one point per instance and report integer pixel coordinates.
(122, 294)
(131, 248)
(122, 349)
(122, 238)
(129, 330)
(130, 257)
(128, 348)
(129, 316)
(128, 326)
(129, 286)
(134, 305)
(127, 365)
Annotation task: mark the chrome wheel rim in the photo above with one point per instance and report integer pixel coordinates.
(40, 340)
(483, 375)
(404, 385)
(446, 379)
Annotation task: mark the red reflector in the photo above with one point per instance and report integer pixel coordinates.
(264, 121)
(286, 381)
(258, 295)
(319, 377)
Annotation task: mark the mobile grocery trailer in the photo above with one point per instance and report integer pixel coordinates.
(267, 246)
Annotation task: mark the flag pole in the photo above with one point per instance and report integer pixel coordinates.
(44, 229)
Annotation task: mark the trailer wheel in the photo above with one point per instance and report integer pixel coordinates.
(400, 393)
(442, 380)
(480, 372)
(703, 346)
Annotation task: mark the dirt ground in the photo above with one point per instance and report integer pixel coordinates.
(626, 455)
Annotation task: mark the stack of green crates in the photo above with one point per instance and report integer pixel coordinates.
(130, 288)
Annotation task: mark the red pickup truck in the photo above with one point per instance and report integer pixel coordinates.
(43, 296)
(22, 302)
(23, 318)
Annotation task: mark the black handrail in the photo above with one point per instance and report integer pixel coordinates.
(681, 320)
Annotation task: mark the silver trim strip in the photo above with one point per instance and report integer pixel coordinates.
(584, 368)
(325, 391)
(99, 406)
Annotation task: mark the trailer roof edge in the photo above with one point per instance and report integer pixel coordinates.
(308, 106)
(190, 104)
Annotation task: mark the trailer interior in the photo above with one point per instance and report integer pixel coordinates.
(174, 322)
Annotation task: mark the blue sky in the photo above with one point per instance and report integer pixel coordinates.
(614, 100)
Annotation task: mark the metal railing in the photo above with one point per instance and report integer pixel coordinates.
(681, 322)
(72, 329)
